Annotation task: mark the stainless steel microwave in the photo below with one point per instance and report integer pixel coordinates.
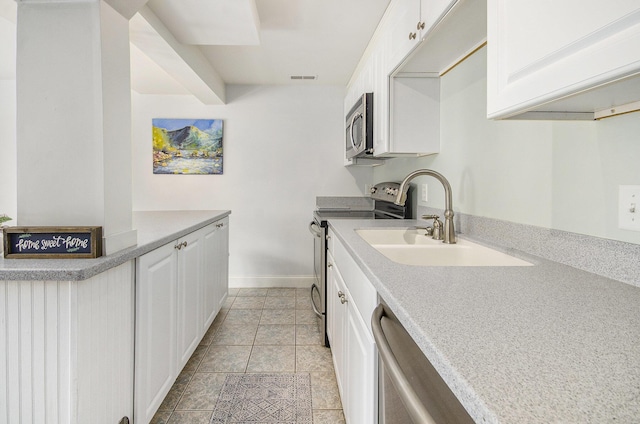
(359, 128)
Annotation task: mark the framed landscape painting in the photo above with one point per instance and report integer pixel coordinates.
(187, 146)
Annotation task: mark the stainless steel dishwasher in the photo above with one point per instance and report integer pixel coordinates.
(410, 389)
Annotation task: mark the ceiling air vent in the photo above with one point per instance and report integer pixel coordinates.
(304, 77)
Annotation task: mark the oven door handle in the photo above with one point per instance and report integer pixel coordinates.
(313, 305)
(412, 403)
(315, 229)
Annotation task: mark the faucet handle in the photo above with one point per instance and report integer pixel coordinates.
(436, 233)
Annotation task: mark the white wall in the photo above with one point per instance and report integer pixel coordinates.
(8, 184)
(560, 175)
(282, 148)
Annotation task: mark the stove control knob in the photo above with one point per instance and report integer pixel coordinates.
(373, 190)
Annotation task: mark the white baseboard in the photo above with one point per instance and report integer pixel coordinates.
(296, 281)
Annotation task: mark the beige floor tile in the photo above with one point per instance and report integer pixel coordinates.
(306, 316)
(252, 292)
(202, 391)
(243, 316)
(196, 357)
(278, 316)
(272, 359)
(225, 359)
(235, 334)
(313, 359)
(280, 303)
(258, 330)
(190, 417)
(171, 400)
(161, 417)
(303, 302)
(324, 391)
(276, 334)
(282, 292)
(308, 335)
(328, 416)
(248, 302)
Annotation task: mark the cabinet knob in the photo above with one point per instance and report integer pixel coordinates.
(412, 35)
(328, 237)
(184, 244)
(178, 246)
(329, 265)
(343, 299)
(420, 25)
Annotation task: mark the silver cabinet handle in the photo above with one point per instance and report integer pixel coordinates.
(178, 246)
(412, 36)
(420, 25)
(329, 265)
(412, 402)
(342, 297)
(184, 244)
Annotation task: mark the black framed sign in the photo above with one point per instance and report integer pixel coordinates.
(52, 242)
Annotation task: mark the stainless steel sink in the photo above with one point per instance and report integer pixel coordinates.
(413, 247)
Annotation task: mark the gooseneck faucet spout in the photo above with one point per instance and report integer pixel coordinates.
(449, 231)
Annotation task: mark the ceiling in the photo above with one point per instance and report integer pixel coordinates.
(268, 41)
(185, 46)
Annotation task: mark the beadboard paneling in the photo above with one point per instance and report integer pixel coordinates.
(66, 349)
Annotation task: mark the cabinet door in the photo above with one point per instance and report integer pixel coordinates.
(403, 19)
(189, 282)
(361, 396)
(432, 12)
(339, 320)
(545, 50)
(215, 278)
(155, 355)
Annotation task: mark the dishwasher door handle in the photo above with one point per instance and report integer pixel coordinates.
(412, 403)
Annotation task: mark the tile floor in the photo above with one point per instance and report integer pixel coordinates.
(257, 330)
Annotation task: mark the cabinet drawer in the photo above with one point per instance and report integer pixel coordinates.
(363, 294)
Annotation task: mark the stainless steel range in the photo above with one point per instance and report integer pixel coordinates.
(383, 195)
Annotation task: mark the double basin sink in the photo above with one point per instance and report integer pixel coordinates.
(413, 247)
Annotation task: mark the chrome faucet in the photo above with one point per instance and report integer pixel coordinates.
(449, 231)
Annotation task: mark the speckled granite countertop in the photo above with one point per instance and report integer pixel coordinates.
(539, 344)
(155, 228)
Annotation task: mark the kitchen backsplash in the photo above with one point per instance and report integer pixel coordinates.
(351, 203)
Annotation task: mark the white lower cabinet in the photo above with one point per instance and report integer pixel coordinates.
(179, 290)
(352, 345)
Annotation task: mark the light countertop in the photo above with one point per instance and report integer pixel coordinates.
(154, 228)
(539, 344)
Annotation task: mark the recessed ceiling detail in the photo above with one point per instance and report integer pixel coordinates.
(210, 22)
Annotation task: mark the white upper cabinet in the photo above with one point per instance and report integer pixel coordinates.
(562, 56)
(415, 40)
(403, 17)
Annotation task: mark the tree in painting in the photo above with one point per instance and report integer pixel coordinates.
(187, 146)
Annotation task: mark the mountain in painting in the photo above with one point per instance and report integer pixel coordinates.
(190, 138)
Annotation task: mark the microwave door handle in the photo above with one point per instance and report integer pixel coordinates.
(353, 119)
